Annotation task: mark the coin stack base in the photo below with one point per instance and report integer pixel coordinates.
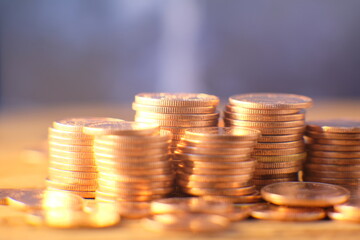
(334, 153)
(280, 150)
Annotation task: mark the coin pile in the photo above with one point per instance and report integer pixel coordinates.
(216, 161)
(299, 201)
(280, 150)
(71, 160)
(348, 211)
(132, 160)
(177, 112)
(334, 152)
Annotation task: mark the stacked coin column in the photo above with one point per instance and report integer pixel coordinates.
(177, 112)
(71, 160)
(334, 152)
(217, 161)
(280, 151)
(132, 161)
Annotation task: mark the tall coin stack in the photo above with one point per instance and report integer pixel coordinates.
(177, 112)
(216, 161)
(280, 151)
(132, 161)
(71, 160)
(334, 152)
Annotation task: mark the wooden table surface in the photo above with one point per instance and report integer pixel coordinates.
(22, 167)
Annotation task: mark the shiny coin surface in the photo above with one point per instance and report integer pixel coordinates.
(305, 194)
(242, 110)
(178, 117)
(265, 117)
(327, 135)
(121, 128)
(77, 124)
(271, 101)
(350, 208)
(177, 99)
(335, 126)
(342, 216)
(222, 133)
(281, 213)
(173, 110)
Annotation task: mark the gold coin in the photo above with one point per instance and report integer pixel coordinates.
(335, 154)
(173, 110)
(75, 181)
(176, 131)
(196, 184)
(71, 167)
(134, 192)
(137, 152)
(342, 216)
(284, 158)
(177, 99)
(70, 187)
(129, 178)
(134, 210)
(212, 158)
(71, 174)
(100, 157)
(137, 172)
(134, 185)
(70, 141)
(212, 178)
(171, 205)
(331, 180)
(328, 167)
(281, 213)
(71, 161)
(178, 117)
(101, 196)
(164, 136)
(280, 138)
(132, 146)
(77, 124)
(210, 171)
(277, 152)
(337, 161)
(257, 124)
(335, 126)
(121, 128)
(274, 176)
(219, 165)
(217, 144)
(68, 154)
(337, 142)
(269, 131)
(334, 148)
(191, 222)
(265, 118)
(83, 194)
(268, 171)
(305, 194)
(265, 182)
(275, 165)
(43, 199)
(242, 110)
(220, 192)
(165, 163)
(176, 123)
(251, 198)
(213, 151)
(271, 101)
(222, 133)
(57, 218)
(334, 136)
(70, 148)
(293, 144)
(239, 213)
(56, 133)
(332, 174)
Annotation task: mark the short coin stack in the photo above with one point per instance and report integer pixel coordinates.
(280, 118)
(299, 201)
(71, 160)
(217, 161)
(334, 152)
(177, 111)
(132, 160)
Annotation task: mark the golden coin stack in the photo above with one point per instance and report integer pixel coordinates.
(334, 152)
(348, 211)
(71, 160)
(299, 201)
(216, 161)
(280, 151)
(132, 160)
(177, 112)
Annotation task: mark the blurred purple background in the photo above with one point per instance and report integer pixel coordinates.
(74, 51)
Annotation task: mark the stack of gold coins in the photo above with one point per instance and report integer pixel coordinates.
(299, 201)
(71, 160)
(334, 152)
(177, 112)
(280, 118)
(132, 161)
(217, 161)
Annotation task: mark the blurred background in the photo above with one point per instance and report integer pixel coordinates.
(105, 51)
